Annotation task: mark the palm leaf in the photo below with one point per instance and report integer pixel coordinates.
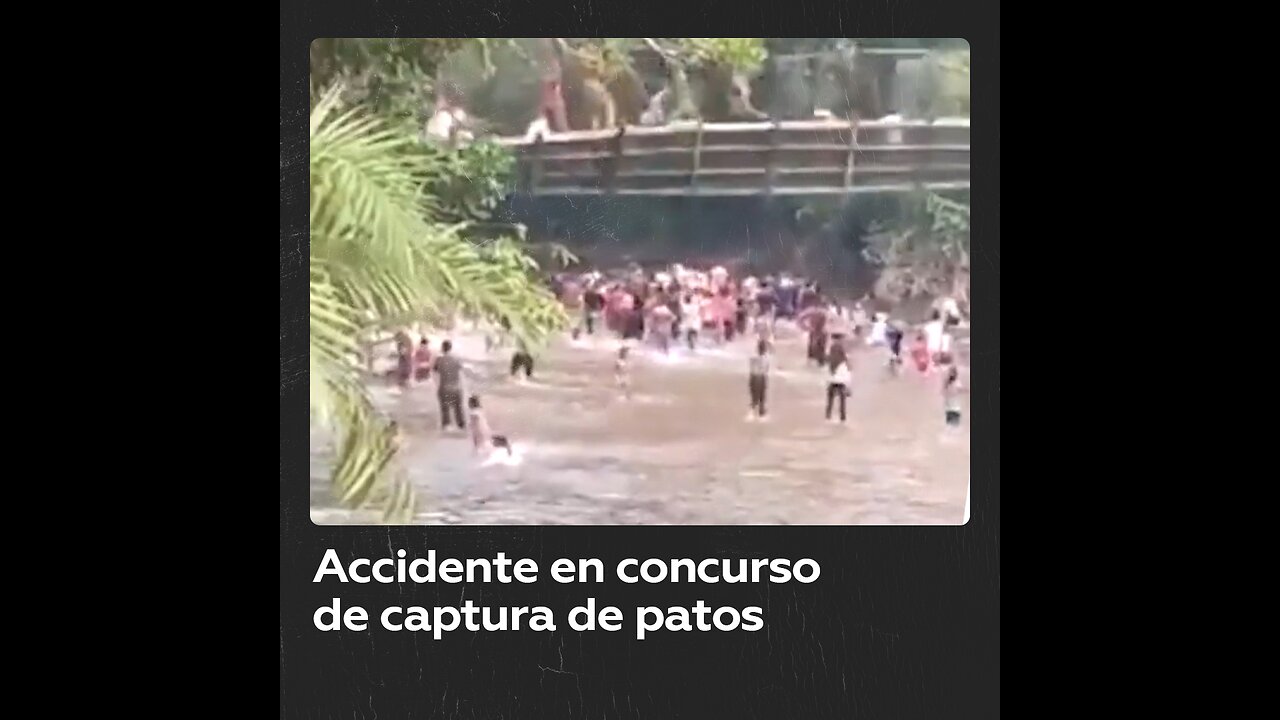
(378, 258)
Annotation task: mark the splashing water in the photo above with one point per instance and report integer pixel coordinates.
(680, 452)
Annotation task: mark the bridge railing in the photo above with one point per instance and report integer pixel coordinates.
(788, 158)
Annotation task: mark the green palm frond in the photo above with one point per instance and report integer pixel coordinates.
(379, 258)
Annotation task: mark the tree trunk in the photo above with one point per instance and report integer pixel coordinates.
(551, 103)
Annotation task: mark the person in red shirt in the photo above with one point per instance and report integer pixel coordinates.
(660, 320)
(920, 354)
(422, 361)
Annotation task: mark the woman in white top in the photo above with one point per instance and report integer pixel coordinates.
(838, 380)
(879, 329)
(933, 332)
(690, 320)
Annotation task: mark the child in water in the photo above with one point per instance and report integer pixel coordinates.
(622, 373)
(482, 437)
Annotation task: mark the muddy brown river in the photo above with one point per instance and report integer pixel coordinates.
(680, 451)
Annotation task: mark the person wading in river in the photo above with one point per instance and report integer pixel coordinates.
(933, 332)
(571, 296)
(951, 391)
(838, 380)
(690, 320)
(592, 307)
(422, 361)
(448, 371)
(482, 437)
(893, 337)
(522, 359)
(622, 372)
(660, 319)
(814, 320)
(758, 381)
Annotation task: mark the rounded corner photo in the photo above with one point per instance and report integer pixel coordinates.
(639, 281)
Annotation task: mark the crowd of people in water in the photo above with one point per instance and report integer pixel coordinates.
(697, 308)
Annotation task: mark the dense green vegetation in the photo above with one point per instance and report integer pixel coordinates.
(924, 250)
(390, 244)
(499, 77)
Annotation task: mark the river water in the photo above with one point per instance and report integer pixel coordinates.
(680, 451)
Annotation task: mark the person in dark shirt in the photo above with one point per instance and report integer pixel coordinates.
(448, 370)
(404, 366)
(808, 297)
(592, 306)
(788, 298)
(673, 305)
(766, 299)
(893, 337)
(522, 359)
(758, 380)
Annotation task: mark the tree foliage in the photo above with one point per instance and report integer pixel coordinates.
(386, 250)
(926, 252)
(745, 55)
(946, 83)
(393, 77)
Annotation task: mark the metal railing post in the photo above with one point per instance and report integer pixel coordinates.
(771, 159)
(697, 157)
(535, 179)
(853, 149)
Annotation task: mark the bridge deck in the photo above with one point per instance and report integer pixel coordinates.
(820, 157)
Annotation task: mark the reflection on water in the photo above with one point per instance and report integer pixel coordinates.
(680, 451)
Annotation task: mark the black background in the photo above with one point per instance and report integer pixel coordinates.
(904, 621)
